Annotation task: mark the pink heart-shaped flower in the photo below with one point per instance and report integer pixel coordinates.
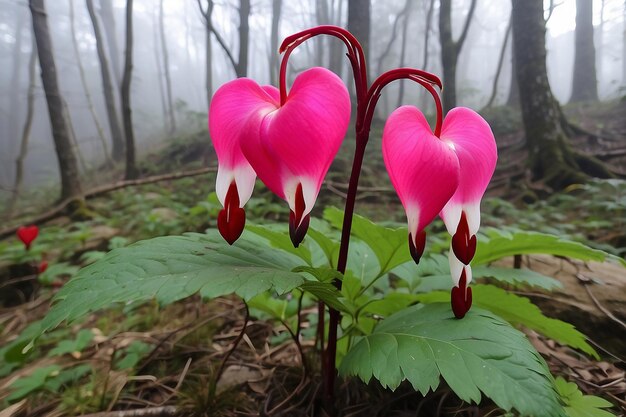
(289, 146)
(423, 169)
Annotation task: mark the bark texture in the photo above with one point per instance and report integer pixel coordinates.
(131, 167)
(107, 87)
(206, 16)
(108, 20)
(244, 35)
(551, 158)
(584, 83)
(70, 184)
(451, 49)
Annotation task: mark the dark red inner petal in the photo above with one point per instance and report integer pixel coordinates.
(231, 220)
(298, 225)
(416, 245)
(464, 245)
(461, 297)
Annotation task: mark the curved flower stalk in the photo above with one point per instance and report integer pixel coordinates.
(289, 142)
(445, 172)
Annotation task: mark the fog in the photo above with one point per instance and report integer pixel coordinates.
(185, 40)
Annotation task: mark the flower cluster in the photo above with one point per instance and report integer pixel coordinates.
(289, 141)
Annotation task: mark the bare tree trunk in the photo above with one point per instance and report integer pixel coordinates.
(359, 18)
(12, 125)
(494, 88)
(206, 15)
(107, 86)
(70, 183)
(108, 21)
(584, 84)
(276, 9)
(405, 29)
(244, 35)
(73, 138)
(513, 99)
(131, 168)
(624, 50)
(335, 55)
(166, 71)
(28, 123)
(83, 80)
(159, 67)
(550, 155)
(450, 50)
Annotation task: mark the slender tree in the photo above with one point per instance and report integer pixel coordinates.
(584, 83)
(336, 57)
(70, 183)
(108, 23)
(107, 85)
(273, 58)
(551, 158)
(451, 49)
(405, 33)
(359, 21)
(159, 67)
(166, 70)
(494, 88)
(206, 13)
(131, 167)
(83, 80)
(28, 123)
(14, 94)
(244, 37)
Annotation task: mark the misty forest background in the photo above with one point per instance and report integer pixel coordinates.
(104, 142)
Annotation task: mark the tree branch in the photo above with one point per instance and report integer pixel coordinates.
(459, 43)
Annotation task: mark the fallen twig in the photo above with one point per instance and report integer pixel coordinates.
(165, 411)
(98, 191)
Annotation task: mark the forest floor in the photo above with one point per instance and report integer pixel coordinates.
(163, 360)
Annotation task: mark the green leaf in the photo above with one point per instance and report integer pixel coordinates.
(56, 270)
(326, 292)
(519, 311)
(480, 353)
(170, 268)
(133, 354)
(390, 245)
(517, 277)
(82, 340)
(33, 382)
(501, 244)
(281, 240)
(66, 376)
(327, 245)
(322, 274)
(579, 405)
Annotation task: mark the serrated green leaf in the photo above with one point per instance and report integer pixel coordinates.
(322, 274)
(170, 268)
(579, 405)
(327, 245)
(481, 353)
(56, 270)
(519, 310)
(501, 244)
(389, 245)
(281, 240)
(516, 277)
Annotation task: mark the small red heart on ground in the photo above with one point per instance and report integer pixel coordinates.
(43, 265)
(27, 234)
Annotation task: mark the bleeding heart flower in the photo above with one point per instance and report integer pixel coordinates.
(27, 234)
(228, 113)
(291, 145)
(423, 169)
(474, 144)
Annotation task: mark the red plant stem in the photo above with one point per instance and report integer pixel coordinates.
(367, 98)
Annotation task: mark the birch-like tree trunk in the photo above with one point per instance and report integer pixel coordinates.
(584, 82)
(273, 57)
